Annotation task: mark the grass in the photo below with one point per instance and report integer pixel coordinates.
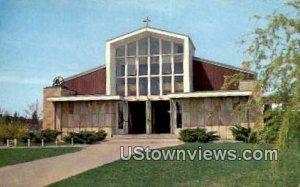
(195, 173)
(19, 155)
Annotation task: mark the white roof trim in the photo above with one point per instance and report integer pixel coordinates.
(85, 98)
(210, 94)
(149, 29)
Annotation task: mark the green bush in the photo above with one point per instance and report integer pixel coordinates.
(241, 133)
(197, 135)
(47, 134)
(86, 136)
(12, 129)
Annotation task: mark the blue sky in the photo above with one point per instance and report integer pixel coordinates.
(42, 39)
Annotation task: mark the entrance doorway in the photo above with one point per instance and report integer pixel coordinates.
(137, 117)
(160, 117)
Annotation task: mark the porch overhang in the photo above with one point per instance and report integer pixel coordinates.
(231, 93)
(85, 98)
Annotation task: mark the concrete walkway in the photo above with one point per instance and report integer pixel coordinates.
(49, 170)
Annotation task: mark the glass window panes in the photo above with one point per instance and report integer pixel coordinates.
(120, 71)
(131, 67)
(178, 64)
(154, 86)
(120, 86)
(131, 49)
(154, 65)
(120, 51)
(131, 83)
(143, 46)
(178, 83)
(154, 46)
(166, 47)
(166, 64)
(178, 48)
(167, 87)
(143, 86)
(143, 66)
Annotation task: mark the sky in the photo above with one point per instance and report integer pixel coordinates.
(42, 39)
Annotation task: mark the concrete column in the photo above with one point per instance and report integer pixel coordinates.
(148, 117)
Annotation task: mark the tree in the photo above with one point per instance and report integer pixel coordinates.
(34, 113)
(275, 54)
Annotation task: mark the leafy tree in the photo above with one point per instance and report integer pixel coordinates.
(274, 52)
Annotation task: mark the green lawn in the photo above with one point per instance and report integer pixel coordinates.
(19, 155)
(195, 173)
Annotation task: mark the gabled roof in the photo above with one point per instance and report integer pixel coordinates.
(223, 65)
(149, 29)
(84, 73)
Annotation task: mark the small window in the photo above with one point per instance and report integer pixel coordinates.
(178, 115)
(166, 47)
(154, 64)
(120, 86)
(167, 87)
(154, 86)
(178, 48)
(131, 83)
(178, 64)
(143, 66)
(120, 63)
(154, 46)
(120, 51)
(166, 65)
(131, 67)
(143, 46)
(131, 49)
(143, 86)
(120, 115)
(178, 83)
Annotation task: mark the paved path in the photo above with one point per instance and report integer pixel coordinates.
(49, 170)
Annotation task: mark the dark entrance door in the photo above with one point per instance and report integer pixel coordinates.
(160, 117)
(137, 117)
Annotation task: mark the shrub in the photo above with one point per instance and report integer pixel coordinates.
(47, 134)
(241, 133)
(197, 135)
(12, 129)
(86, 136)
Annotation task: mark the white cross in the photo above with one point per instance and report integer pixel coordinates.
(146, 21)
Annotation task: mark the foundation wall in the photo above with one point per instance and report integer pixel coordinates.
(213, 114)
(88, 116)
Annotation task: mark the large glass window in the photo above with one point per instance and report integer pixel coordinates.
(154, 86)
(143, 86)
(149, 60)
(143, 65)
(143, 46)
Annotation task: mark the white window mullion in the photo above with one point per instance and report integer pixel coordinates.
(172, 68)
(137, 70)
(160, 68)
(148, 63)
(126, 64)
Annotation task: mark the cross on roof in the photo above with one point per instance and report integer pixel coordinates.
(146, 21)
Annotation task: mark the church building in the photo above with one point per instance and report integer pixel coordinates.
(151, 83)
